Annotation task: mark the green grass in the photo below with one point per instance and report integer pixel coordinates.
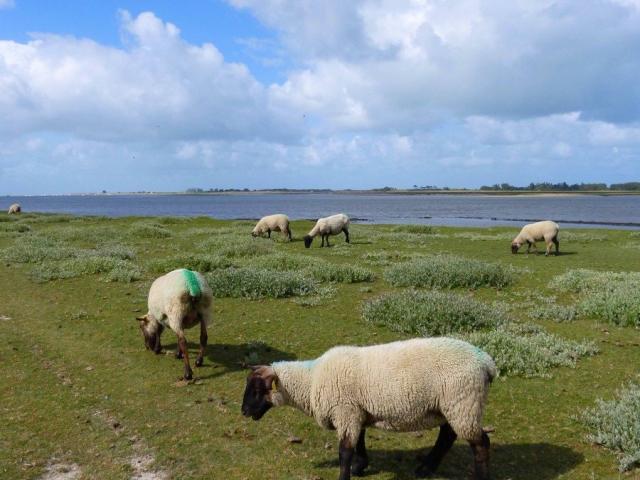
(79, 388)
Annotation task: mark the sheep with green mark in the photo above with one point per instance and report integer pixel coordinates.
(178, 300)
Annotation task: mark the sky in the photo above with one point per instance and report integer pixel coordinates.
(165, 95)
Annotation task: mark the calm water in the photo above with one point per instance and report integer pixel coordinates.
(463, 210)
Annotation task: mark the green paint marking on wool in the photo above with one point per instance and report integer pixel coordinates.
(192, 283)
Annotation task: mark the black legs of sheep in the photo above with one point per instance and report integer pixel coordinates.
(360, 459)
(431, 461)
(354, 461)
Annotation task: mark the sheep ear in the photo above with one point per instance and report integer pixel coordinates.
(143, 319)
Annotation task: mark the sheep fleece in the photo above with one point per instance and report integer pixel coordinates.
(402, 386)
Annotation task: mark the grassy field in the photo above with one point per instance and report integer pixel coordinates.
(80, 395)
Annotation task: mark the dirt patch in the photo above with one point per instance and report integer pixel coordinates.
(61, 471)
(142, 467)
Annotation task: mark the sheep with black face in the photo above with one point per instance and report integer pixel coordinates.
(409, 385)
(534, 232)
(327, 226)
(179, 300)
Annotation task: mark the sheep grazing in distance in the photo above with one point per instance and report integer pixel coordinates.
(408, 385)
(275, 223)
(15, 208)
(179, 300)
(326, 226)
(534, 232)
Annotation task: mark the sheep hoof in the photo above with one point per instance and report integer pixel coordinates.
(178, 355)
(358, 466)
(199, 361)
(424, 471)
(188, 374)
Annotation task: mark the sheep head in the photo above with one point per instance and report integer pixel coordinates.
(514, 247)
(151, 331)
(257, 394)
(307, 241)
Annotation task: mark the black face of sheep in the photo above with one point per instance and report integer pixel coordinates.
(514, 248)
(150, 333)
(307, 241)
(255, 402)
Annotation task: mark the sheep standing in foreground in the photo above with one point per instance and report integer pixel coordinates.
(15, 208)
(534, 232)
(326, 226)
(276, 223)
(402, 386)
(179, 300)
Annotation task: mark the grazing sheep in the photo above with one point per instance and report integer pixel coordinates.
(326, 226)
(276, 223)
(179, 300)
(534, 232)
(15, 208)
(409, 385)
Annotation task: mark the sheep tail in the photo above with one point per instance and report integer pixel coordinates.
(489, 365)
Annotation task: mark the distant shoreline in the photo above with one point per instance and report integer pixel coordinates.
(484, 193)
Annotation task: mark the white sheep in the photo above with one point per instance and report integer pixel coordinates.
(409, 385)
(326, 226)
(179, 300)
(276, 223)
(534, 232)
(15, 208)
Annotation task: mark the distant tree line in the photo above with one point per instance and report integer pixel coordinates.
(563, 187)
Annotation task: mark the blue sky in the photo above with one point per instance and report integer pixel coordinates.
(165, 95)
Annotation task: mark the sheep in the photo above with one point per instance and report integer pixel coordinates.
(533, 232)
(408, 385)
(15, 208)
(326, 226)
(277, 223)
(178, 300)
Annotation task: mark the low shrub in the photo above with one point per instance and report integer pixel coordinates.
(37, 249)
(529, 351)
(116, 270)
(581, 279)
(412, 228)
(198, 262)
(557, 313)
(611, 296)
(331, 272)
(615, 424)
(148, 230)
(449, 271)
(237, 247)
(259, 283)
(431, 313)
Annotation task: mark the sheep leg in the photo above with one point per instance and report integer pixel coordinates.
(269, 233)
(481, 457)
(361, 459)
(203, 343)
(557, 244)
(432, 460)
(182, 344)
(289, 233)
(548, 250)
(157, 348)
(328, 240)
(345, 455)
(346, 234)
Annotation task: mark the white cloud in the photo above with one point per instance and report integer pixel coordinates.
(158, 87)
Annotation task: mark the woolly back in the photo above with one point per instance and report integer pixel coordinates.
(192, 282)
